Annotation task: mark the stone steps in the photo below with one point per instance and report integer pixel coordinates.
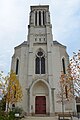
(44, 118)
(40, 118)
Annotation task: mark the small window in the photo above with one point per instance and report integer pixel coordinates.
(13, 106)
(63, 65)
(78, 108)
(40, 53)
(35, 39)
(44, 39)
(17, 66)
(39, 39)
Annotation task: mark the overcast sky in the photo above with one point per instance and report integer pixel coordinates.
(14, 19)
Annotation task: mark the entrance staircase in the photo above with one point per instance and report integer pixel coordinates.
(44, 118)
(40, 118)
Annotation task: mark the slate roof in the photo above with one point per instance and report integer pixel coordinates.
(54, 42)
(59, 44)
(24, 43)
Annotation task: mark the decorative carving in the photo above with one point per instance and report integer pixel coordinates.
(45, 77)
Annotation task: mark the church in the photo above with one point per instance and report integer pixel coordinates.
(38, 63)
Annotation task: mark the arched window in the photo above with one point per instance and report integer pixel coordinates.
(39, 17)
(43, 18)
(63, 65)
(17, 66)
(13, 106)
(36, 18)
(40, 63)
(37, 65)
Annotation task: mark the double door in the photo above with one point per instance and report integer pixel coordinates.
(40, 105)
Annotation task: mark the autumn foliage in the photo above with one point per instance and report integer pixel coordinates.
(14, 92)
(75, 72)
(65, 92)
(2, 84)
(11, 88)
(70, 82)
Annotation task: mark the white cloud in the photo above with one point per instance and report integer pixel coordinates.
(64, 16)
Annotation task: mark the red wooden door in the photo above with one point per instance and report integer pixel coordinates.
(40, 105)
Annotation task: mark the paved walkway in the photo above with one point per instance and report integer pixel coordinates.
(44, 118)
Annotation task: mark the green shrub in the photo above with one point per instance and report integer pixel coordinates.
(11, 114)
(2, 117)
(17, 110)
(7, 116)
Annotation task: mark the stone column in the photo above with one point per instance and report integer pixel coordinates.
(28, 101)
(46, 17)
(52, 91)
(34, 18)
(50, 103)
(41, 17)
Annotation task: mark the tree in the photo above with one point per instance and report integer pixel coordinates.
(10, 87)
(2, 84)
(3, 103)
(75, 72)
(65, 93)
(66, 87)
(14, 91)
(70, 82)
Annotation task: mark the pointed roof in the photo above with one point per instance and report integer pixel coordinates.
(24, 43)
(59, 44)
(54, 42)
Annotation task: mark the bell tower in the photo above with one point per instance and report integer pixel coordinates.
(40, 28)
(39, 15)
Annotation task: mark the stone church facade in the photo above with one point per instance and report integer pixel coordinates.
(38, 63)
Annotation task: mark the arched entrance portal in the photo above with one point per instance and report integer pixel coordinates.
(41, 93)
(40, 97)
